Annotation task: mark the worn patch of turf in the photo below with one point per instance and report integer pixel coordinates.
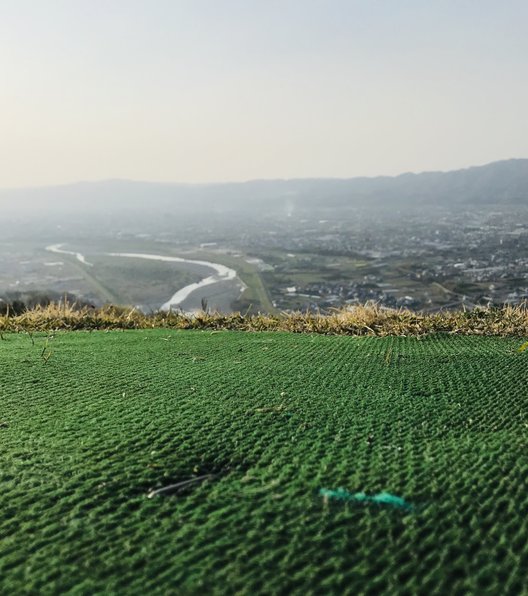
(91, 423)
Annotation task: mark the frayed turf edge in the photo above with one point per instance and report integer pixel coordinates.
(369, 320)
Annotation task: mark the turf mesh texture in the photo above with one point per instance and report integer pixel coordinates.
(88, 431)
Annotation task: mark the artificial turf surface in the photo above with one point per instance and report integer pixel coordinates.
(91, 422)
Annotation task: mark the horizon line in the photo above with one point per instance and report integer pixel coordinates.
(252, 180)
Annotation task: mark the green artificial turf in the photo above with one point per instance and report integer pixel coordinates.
(91, 423)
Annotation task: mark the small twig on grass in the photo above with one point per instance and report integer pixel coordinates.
(46, 356)
(175, 487)
(46, 352)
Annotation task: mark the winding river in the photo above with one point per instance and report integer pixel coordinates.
(56, 248)
(222, 274)
(223, 281)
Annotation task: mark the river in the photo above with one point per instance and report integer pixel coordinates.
(56, 248)
(181, 299)
(218, 289)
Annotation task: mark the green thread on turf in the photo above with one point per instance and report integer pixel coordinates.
(382, 498)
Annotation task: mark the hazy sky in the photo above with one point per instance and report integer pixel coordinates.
(214, 90)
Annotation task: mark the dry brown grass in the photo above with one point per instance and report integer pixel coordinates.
(370, 319)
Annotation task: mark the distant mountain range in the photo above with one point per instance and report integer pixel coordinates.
(495, 183)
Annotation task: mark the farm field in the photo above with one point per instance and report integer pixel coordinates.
(302, 463)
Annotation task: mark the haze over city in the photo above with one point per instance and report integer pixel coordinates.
(232, 90)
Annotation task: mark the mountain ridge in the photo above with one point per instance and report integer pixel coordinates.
(496, 182)
(118, 180)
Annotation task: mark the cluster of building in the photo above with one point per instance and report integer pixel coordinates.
(421, 261)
